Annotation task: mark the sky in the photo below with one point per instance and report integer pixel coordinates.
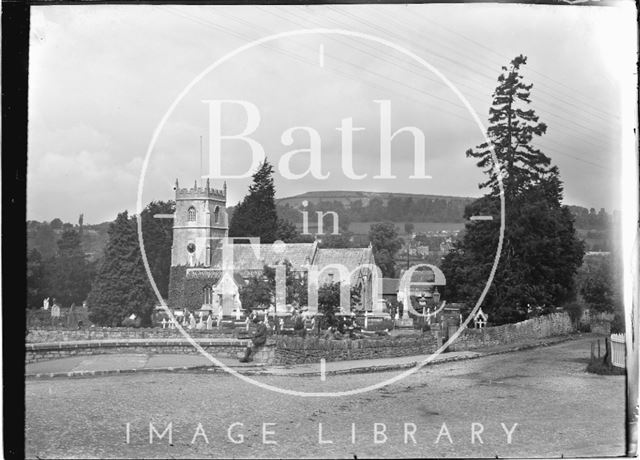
(105, 81)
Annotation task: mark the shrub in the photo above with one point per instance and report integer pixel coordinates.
(128, 322)
(584, 327)
(574, 309)
(617, 325)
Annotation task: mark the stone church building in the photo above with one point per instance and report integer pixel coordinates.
(197, 280)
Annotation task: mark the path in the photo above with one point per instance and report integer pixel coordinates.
(559, 410)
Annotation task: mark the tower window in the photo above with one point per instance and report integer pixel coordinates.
(191, 248)
(191, 214)
(206, 295)
(216, 214)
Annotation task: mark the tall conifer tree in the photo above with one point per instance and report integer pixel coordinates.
(158, 238)
(512, 128)
(121, 286)
(540, 253)
(69, 273)
(256, 216)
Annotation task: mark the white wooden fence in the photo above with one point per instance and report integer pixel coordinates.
(618, 350)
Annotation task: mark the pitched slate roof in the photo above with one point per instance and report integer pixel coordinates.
(349, 257)
(301, 255)
(245, 258)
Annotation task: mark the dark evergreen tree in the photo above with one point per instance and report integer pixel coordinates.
(540, 253)
(255, 215)
(121, 286)
(158, 238)
(512, 128)
(36, 280)
(385, 243)
(69, 273)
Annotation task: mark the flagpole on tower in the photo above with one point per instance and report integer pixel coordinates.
(200, 160)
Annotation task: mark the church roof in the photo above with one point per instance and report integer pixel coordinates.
(301, 255)
(349, 257)
(246, 259)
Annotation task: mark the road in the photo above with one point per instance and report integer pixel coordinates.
(558, 408)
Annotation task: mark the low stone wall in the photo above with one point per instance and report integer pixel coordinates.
(295, 350)
(219, 348)
(284, 349)
(49, 335)
(531, 329)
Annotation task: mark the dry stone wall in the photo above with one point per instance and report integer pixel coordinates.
(285, 350)
(531, 329)
(295, 350)
(231, 348)
(48, 335)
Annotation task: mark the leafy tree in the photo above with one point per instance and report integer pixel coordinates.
(255, 215)
(541, 252)
(385, 243)
(408, 228)
(329, 302)
(45, 241)
(36, 280)
(343, 240)
(257, 293)
(69, 272)
(121, 286)
(287, 231)
(260, 291)
(56, 224)
(600, 286)
(158, 238)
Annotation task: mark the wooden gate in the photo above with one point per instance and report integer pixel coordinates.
(618, 350)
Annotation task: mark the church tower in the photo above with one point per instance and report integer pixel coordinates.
(200, 218)
(200, 215)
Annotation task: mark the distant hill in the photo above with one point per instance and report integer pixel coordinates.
(41, 236)
(356, 210)
(348, 197)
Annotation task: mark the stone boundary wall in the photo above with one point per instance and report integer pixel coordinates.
(284, 350)
(534, 328)
(49, 335)
(295, 350)
(218, 348)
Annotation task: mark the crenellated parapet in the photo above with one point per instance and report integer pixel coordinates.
(200, 192)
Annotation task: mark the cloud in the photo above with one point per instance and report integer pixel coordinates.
(102, 76)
